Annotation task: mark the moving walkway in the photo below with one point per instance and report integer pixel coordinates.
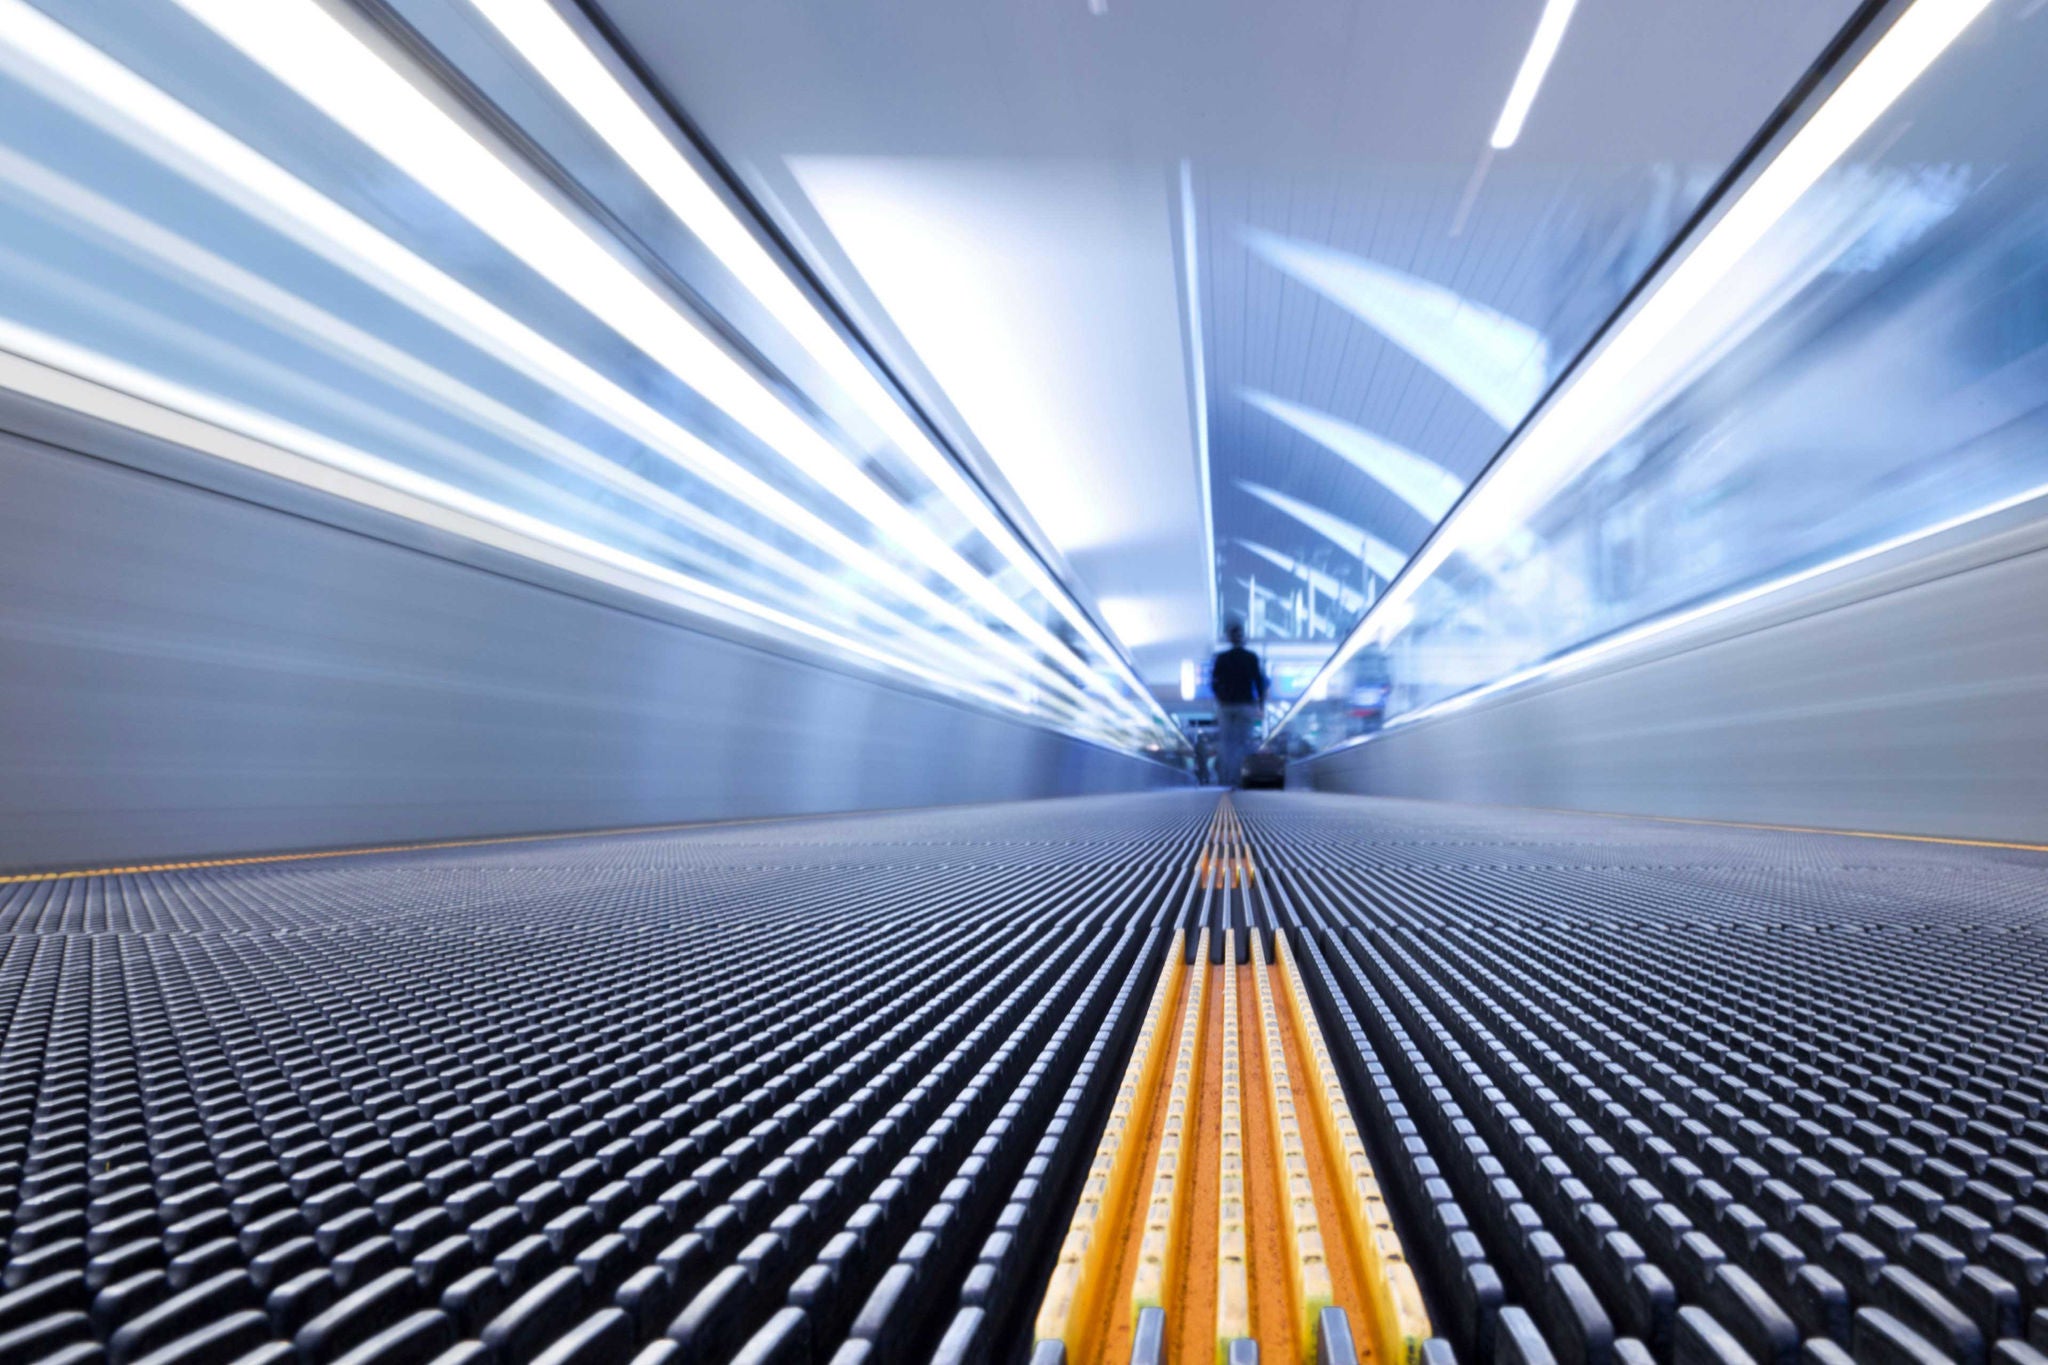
(1166, 1077)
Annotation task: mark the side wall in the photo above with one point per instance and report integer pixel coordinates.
(1906, 696)
(186, 671)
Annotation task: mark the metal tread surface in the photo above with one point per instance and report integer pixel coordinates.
(755, 1090)
(1657, 1091)
(823, 1090)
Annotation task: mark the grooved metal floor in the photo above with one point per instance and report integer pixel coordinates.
(1678, 1092)
(821, 1090)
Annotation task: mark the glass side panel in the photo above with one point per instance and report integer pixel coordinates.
(1873, 365)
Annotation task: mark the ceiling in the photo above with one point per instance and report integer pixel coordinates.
(1004, 194)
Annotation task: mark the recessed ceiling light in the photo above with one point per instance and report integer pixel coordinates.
(1535, 65)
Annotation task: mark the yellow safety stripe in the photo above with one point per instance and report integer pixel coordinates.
(1812, 829)
(1068, 1312)
(1233, 1270)
(312, 855)
(1400, 1322)
(1226, 858)
(1166, 1215)
(1308, 1265)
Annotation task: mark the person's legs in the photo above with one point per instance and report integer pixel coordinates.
(1234, 742)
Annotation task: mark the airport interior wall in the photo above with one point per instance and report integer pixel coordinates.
(196, 661)
(1906, 692)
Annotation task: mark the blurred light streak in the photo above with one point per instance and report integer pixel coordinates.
(559, 55)
(1648, 354)
(277, 437)
(322, 60)
(1380, 557)
(1498, 362)
(1543, 45)
(1634, 636)
(1420, 482)
(257, 296)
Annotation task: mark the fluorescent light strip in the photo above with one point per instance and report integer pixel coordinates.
(270, 432)
(323, 62)
(85, 382)
(1617, 385)
(113, 98)
(1190, 241)
(561, 57)
(1634, 636)
(1535, 65)
(195, 344)
(211, 274)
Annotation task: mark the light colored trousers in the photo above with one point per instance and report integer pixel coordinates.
(1237, 733)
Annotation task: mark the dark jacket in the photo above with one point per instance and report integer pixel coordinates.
(1236, 677)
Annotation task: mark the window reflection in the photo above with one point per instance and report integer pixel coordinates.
(1876, 365)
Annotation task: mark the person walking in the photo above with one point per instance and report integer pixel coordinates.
(1238, 682)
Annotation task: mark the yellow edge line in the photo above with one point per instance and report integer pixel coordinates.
(1790, 829)
(250, 860)
(1247, 871)
(1166, 1215)
(1067, 1312)
(1400, 1323)
(1301, 1232)
(1228, 860)
(1233, 1275)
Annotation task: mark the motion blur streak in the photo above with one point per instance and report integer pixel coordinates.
(1802, 217)
(319, 60)
(772, 541)
(561, 57)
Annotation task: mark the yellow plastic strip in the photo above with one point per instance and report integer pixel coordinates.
(1212, 869)
(1166, 1215)
(1301, 1233)
(1068, 1312)
(1233, 1271)
(1807, 829)
(1400, 1322)
(314, 855)
(1241, 850)
(1226, 858)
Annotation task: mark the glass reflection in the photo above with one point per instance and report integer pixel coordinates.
(274, 219)
(1876, 365)
(1326, 483)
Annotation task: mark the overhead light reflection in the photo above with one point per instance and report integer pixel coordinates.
(1535, 65)
(1499, 363)
(1380, 557)
(561, 57)
(1653, 349)
(1422, 483)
